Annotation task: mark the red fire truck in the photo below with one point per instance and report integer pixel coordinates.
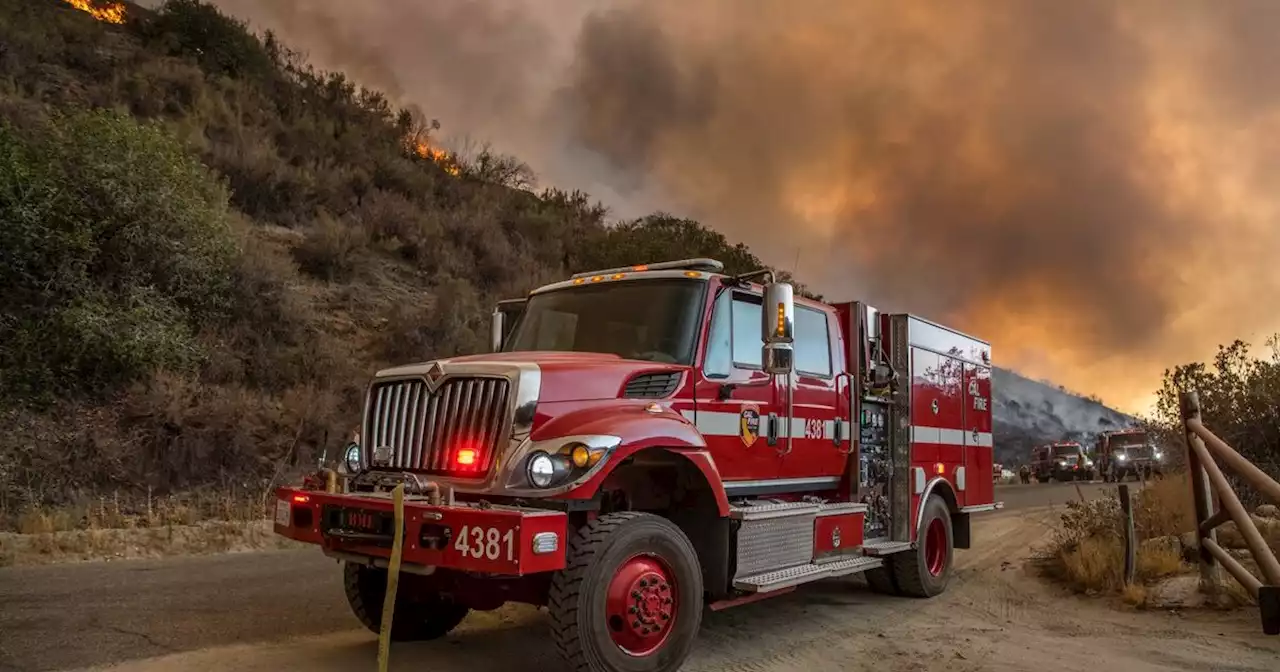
(644, 441)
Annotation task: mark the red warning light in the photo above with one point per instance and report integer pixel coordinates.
(465, 457)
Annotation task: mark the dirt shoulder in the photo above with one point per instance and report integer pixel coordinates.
(997, 616)
(18, 550)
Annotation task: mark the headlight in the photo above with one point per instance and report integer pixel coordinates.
(1122, 457)
(351, 456)
(542, 470)
(1060, 463)
(1088, 463)
(1159, 455)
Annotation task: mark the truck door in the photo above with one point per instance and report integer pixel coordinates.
(814, 416)
(735, 400)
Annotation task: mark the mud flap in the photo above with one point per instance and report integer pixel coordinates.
(960, 531)
(393, 578)
(1269, 605)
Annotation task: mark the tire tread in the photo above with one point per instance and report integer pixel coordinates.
(412, 621)
(588, 544)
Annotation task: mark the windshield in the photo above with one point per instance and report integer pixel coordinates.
(1127, 441)
(654, 320)
(1066, 451)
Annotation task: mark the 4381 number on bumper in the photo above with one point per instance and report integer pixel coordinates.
(488, 539)
(485, 543)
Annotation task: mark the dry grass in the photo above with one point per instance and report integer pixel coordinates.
(112, 528)
(1134, 594)
(153, 542)
(1087, 550)
(116, 513)
(1164, 508)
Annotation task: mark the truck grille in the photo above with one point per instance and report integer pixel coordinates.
(428, 431)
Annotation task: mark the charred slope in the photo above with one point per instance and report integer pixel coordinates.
(1029, 412)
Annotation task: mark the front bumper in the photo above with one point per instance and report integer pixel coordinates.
(484, 538)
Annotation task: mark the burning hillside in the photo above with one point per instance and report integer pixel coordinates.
(1028, 412)
(109, 12)
(444, 158)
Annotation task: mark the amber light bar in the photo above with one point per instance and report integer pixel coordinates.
(699, 264)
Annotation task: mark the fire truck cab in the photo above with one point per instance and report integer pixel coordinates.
(1063, 461)
(649, 440)
(1128, 452)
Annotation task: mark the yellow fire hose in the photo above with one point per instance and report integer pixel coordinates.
(393, 579)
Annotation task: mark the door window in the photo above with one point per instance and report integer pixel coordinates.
(813, 345)
(746, 331)
(734, 337)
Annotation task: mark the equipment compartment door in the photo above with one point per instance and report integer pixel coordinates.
(978, 445)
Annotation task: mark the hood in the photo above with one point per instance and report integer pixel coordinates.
(566, 376)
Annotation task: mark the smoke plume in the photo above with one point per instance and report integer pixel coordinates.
(1084, 183)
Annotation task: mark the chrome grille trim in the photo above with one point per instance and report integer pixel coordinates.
(423, 426)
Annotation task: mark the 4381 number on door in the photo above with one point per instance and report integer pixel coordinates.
(486, 543)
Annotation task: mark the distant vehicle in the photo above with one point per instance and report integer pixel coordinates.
(1064, 461)
(1128, 452)
(997, 471)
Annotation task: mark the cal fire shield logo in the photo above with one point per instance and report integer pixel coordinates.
(749, 425)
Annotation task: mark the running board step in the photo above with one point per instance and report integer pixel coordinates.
(882, 548)
(794, 576)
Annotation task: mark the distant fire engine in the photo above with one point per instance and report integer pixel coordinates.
(1063, 461)
(648, 440)
(1128, 452)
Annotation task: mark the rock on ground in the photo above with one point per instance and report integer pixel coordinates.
(1177, 592)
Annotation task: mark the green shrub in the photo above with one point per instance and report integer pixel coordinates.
(219, 43)
(115, 247)
(332, 249)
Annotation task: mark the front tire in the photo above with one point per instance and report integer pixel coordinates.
(417, 616)
(629, 598)
(926, 571)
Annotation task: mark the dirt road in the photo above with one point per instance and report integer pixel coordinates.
(288, 614)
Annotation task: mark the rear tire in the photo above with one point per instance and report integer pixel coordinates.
(881, 580)
(629, 598)
(417, 616)
(926, 570)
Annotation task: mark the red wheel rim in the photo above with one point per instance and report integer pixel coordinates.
(935, 547)
(640, 607)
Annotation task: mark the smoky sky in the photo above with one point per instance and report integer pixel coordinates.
(1087, 184)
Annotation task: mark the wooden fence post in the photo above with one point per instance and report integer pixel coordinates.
(1130, 539)
(1202, 495)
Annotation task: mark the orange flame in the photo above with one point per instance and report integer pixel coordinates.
(111, 13)
(442, 158)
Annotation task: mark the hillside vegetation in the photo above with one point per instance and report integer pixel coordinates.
(208, 245)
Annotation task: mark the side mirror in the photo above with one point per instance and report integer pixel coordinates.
(778, 328)
(496, 332)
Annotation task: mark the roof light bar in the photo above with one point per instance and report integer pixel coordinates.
(699, 264)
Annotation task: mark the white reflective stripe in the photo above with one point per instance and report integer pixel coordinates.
(949, 437)
(711, 423)
(730, 486)
(983, 439)
(925, 434)
(723, 423)
(960, 479)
